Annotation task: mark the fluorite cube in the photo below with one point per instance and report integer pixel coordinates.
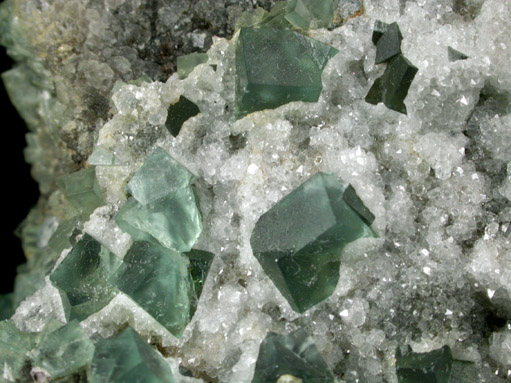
(428, 367)
(82, 191)
(187, 63)
(160, 176)
(455, 55)
(63, 351)
(392, 87)
(127, 358)
(157, 279)
(299, 241)
(275, 67)
(291, 358)
(83, 277)
(174, 220)
(14, 349)
(178, 113)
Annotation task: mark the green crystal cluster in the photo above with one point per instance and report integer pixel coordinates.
(392, 87)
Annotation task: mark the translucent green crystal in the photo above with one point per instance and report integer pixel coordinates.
(178, 113)
(14, 348)
(200, 262)
(300, 14)
(429, 367)
(389, 44)
(294, 355)
(158, 280)
(250, 18)
(61, 239)
(6, 306)
(103, 157)
(160, 176)
(83, 276)
(63, 351)
(299, 241)
(82, 191)
(455, 55)
(127, 358)
(174, 221)
(186, 63)
(392, 87)
(275, 67)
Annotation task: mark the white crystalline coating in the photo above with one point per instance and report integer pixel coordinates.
(500, 348)
(38, 309)
(438, 181)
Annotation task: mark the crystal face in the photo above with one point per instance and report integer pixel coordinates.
(292, 358)
(178, 113)
(430, 367)
(82, 191)
(389, 44)
(126, 357)
(275, 67)
(186, 64)
(158, 280)
(84, 275)
(299, 241)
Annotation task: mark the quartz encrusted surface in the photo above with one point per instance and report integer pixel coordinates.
(93, 74)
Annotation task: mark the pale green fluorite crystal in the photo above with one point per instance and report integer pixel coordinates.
(158, 280)
(14, 348)
(160, 176)
(186, 63)
(127, 358)
(63, 351)
(299, 241)
(82, 191)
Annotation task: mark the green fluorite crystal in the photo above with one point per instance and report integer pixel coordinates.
(300, 14)
(103, 157)
(82, 191)
(200, 262)
(275, 67)
(186, 63)
(178, 113)
(437, 366)
(14, 348)
(127, 358)
(389, 44)
(158, 280)
(6, 306)
(392, 87)
(160, 176)
(174, 220)
(429, 367)
(164, 205)
(299, 241)
(282, 358)
(455, 55)
(64, 350)
(83, 276)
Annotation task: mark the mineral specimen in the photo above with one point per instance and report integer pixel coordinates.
(120, 251)
(299, 241)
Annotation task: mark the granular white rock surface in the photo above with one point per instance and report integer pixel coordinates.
(438, 181)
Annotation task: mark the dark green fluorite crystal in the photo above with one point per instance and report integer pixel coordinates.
(392, 87)
(429, 367)
(178, 113)
(127, 358)
(200, 262)
(389, 44)
(455, 55)
(275, 67)
(291, 356)
(299, 241)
